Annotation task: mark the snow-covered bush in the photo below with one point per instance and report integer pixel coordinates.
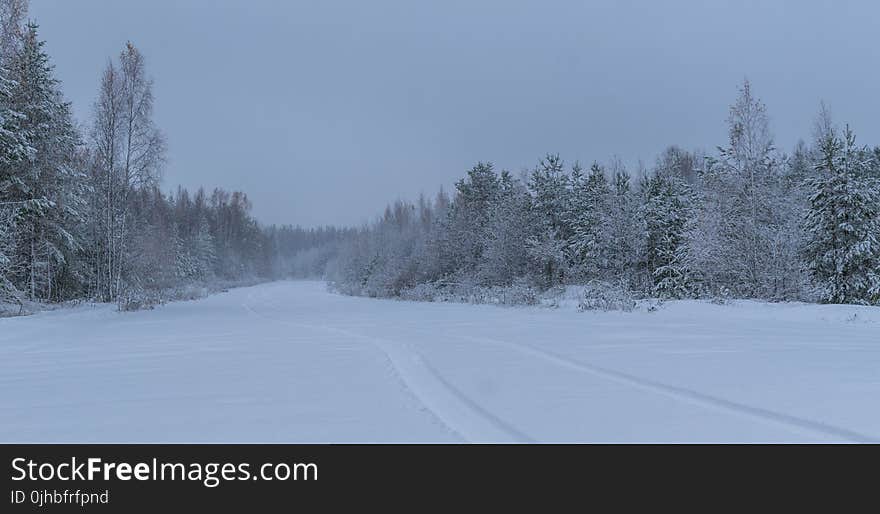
(137, 299)
(421, 293)
(719, 297)
(518, 293)
(193, 291)
(607, 296)
(553, 297)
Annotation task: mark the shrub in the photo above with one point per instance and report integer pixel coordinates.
(607, 296)
(138, 299)
(518, 293)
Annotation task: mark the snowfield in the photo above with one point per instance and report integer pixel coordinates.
(291, 362)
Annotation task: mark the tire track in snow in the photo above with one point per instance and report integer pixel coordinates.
(684, 394)
(449, 405)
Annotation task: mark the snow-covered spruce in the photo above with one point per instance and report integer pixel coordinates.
(843, 223)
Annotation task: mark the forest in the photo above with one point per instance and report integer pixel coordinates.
(747, 221)
(82, 212)
(83, 215)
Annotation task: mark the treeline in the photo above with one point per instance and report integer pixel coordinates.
(745, 222)
(306, 252)
(81, 210)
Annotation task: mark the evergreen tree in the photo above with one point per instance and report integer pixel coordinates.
(14, 141)
(510, 227)
(664, 214)
(549, 186)
(547, 253)
(589, 244)
(843, 223)
(14, 147)
(623, 233)
(46, 184)
(469, 216)
(875, 163)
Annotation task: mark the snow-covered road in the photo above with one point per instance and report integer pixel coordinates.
(290, 362)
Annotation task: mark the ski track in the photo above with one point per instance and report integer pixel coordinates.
(454, 409)
(684, 394)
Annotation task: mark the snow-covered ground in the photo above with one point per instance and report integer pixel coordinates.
(290, 362)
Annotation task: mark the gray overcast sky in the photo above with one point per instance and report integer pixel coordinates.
(322, 111)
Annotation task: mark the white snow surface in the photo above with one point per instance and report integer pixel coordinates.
(292, 362)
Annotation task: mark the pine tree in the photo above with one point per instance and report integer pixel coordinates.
(623, 234)
(549, 184)
(468, 221)
(589, 244)
(511, 225)
(547, 255)
(551, 204)
(843, 223)
(664, 214)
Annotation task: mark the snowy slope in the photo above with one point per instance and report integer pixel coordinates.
(291, 362)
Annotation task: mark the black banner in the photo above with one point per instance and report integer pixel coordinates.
(201, 478)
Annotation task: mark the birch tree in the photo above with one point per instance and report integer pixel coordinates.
(129, 154)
